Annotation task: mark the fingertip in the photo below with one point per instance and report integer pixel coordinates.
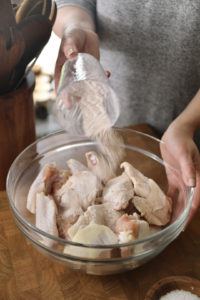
(188, 172)
(191, 182)
(71, 53)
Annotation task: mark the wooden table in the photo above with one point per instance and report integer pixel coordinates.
(27, 274)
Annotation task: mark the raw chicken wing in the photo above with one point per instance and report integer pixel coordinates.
(127, 228)
(83, 187)
(99, 214)
(140, 182)
(46, 212)
(58, 182)
(118, 191)
(92, 234)
(78, 193)
(150, 200)
(100, 166)
(42, 183)
(106, 162)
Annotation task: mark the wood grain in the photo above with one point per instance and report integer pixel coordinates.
(27, 274)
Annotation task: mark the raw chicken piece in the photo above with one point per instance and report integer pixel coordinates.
(46, 212)
(77, 194)
(118, 191)
(156, 208)
(140, 182)
(66, 218)
(144, 229)
(100, 166)
(111, 216)
(75, 166)
(63, 226)
(92, 234)
(70, 203)
(130, 228)
(42, 183)
(95, 234)
(82, 187)
(106, 162)
(127, 228)
(59, 181)
(99, 214)
(150, 201)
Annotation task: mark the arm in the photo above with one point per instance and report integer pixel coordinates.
(190, 117)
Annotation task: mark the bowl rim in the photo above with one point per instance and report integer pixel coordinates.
(169, 279)
(179, 221)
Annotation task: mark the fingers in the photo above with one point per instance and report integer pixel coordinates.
(188, 170)
(73, 42)
(70, 49)
(196, 199)
(59, 63)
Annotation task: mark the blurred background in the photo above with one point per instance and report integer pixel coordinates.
(44, 94)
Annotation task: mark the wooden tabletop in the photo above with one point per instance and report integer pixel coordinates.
(27, 274)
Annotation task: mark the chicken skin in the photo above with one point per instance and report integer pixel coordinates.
(100, 166)
(79, 192)
(149, 200)
(118, 192)
(130, 227)
(99, 214)
(92, 234)
(42, 183)
(46, 212)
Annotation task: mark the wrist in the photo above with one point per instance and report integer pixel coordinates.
(183, 125)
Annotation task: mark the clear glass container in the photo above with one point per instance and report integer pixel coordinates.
(143, 151)
(85, 99)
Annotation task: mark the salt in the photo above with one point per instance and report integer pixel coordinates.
(179, 295)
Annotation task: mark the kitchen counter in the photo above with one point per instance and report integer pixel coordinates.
(27, 274)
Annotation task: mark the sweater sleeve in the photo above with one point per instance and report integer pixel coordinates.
(88, 5)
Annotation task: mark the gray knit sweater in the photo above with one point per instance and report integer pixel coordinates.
(152, 49)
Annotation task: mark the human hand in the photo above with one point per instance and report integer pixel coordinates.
(75, 40)
(181, 148)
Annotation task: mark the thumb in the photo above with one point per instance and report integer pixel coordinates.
(70, 48)
(188, 170)
(73, 42)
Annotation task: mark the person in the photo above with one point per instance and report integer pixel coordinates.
(152, 49)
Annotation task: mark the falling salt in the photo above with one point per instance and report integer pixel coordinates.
(179, 295)
(87, 105)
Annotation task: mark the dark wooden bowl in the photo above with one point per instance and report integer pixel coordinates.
(168, 284)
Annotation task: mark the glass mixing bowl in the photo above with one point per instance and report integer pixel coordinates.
(144, 152)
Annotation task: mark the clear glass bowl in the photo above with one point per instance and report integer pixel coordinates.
(143, 151)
